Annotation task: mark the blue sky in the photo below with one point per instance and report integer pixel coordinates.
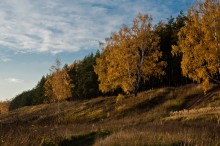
(34, 33)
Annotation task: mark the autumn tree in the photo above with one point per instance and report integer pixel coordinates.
(199, 43)
(130, 56)
(58, 86)
(4, 106)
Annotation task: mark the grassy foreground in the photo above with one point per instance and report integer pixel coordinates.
(165, 116)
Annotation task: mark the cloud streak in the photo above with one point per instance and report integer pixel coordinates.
(4, 58)
(56, 26)
(14, 80)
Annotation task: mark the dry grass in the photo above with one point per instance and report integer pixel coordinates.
(165, 134)
(122, 133)
(208, 110)
(148, 119)
(208, 113)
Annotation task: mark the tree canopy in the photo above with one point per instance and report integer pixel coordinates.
(131, 55)
(198, 43)
(58, 86)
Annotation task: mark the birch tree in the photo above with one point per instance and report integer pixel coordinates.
(58, 86)
(199, 43)
(130, 56)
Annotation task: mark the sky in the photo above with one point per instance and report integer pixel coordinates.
(34, 33)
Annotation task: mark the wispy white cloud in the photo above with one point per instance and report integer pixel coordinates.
(56, 26)
(4, 58)
(14, 80)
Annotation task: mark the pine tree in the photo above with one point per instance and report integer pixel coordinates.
(168, 33)
(84, 78)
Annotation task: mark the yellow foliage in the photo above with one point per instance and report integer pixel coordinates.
(131, 54)
(199, 43)
(49, 90)
(58, 86)
(61, 85)
(4, 106)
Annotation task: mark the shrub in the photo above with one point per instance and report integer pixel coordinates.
(119, 98)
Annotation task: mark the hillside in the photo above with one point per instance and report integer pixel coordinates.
(165, 116)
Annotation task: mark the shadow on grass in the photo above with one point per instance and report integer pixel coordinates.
(80, 140)
(146, 105)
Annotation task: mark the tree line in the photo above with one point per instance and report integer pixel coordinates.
(182, 50)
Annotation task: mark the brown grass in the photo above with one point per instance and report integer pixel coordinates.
(154, 117)
(161, 134)
(208, 113)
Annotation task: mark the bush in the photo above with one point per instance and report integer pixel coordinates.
(120, 98)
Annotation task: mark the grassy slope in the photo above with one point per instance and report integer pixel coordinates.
(165, 116)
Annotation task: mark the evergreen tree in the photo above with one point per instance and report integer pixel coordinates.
(168, 33)
(84, 78)
(39, 90)
(34, 96)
